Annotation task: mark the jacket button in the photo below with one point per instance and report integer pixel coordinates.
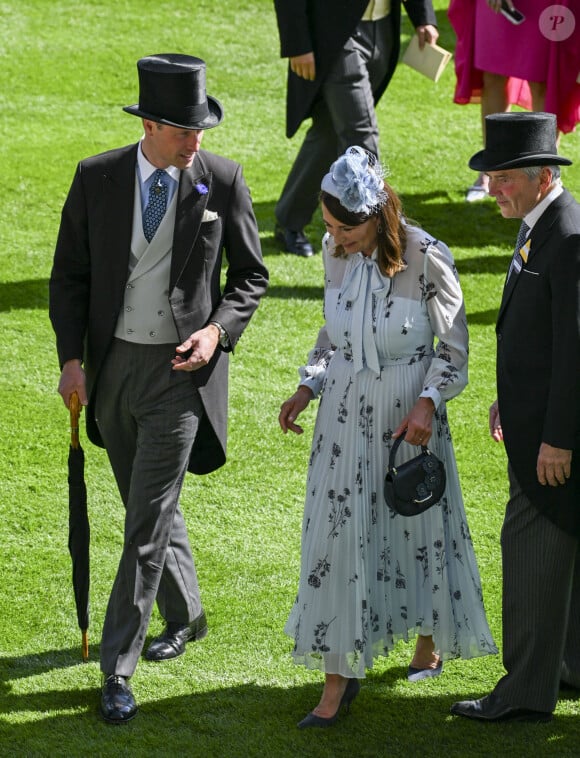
(499, 337)
(153, 334)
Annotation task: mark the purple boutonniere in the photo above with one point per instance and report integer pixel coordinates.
(201, 188)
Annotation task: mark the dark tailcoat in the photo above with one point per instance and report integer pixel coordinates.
(538, 360)
(91, 268)
(323, 27)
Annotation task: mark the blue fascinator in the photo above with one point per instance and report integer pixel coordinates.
(356, 180)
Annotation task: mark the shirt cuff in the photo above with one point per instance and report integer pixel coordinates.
(432, 393)
(313, 383)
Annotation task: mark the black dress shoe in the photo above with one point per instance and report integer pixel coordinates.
(171, 642)
(117, 702)
(294, 241)
(491, 708)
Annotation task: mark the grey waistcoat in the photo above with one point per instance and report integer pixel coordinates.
(146, 316)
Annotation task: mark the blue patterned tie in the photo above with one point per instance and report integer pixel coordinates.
(517, 260)
(156, 204)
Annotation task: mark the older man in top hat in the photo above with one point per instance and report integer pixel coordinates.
(537, 415)
(143, 329)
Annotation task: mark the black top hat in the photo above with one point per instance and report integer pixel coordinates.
(516, 140)
(172, 91)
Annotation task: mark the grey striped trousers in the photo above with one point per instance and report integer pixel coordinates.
(541, 605)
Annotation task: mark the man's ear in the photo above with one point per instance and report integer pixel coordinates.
(148, 126)
(546, 177)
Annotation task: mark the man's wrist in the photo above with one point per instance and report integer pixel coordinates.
(223, 337)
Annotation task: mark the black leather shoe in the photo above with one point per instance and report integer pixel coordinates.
(171, 642)
(117, 702)
(294, 241)
(491, 708)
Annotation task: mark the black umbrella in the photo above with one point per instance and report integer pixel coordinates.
(78, 524)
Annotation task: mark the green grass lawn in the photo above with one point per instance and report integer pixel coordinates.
(67, 70)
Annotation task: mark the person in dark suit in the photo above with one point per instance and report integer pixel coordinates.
(537, 415)
(143, 329)
(342, 56)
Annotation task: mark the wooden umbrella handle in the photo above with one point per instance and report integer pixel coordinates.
(85, 645)
(74, 407)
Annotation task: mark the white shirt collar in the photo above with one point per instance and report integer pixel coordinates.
(146, 168)
(532, 217)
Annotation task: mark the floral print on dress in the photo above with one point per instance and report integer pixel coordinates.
(370, 577)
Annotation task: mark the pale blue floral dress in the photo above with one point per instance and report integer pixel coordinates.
(369, 577)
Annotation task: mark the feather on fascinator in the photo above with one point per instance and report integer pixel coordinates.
(356, 180)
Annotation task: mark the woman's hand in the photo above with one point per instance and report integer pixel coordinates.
(418, 422)
(495, 423)
(292, 408)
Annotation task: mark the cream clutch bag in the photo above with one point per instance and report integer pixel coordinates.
(430, 61)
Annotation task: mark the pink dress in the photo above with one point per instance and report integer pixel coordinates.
(487, 41)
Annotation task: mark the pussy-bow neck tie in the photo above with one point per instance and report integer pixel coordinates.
(363, 280)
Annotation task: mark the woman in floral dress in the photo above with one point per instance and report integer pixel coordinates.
(370, 577)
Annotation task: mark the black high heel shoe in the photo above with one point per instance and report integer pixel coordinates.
(351, 691)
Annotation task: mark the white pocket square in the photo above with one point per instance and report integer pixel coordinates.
(208, 216)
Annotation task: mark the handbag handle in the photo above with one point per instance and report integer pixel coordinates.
(396, 445)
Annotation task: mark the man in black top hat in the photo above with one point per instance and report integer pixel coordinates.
(144, 329)
(537, 415)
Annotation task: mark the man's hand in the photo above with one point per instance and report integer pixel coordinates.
(72, 379)
(202, 345)
(292, 408)
(554, 465)
(428, 35)
(494, 423)
(304, 66)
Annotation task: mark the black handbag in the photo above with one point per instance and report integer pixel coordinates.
(416, 485)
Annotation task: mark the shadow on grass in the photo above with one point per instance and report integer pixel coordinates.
(29, 293)
(460, 225)
(389, 718)
(436, 211)
(483, 318)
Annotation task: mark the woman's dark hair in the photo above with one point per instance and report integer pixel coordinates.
(391, 232)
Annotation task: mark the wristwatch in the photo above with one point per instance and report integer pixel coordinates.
(224, 339)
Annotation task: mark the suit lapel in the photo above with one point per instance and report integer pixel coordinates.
(193, 193)
(539, 237)
(118, 197)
